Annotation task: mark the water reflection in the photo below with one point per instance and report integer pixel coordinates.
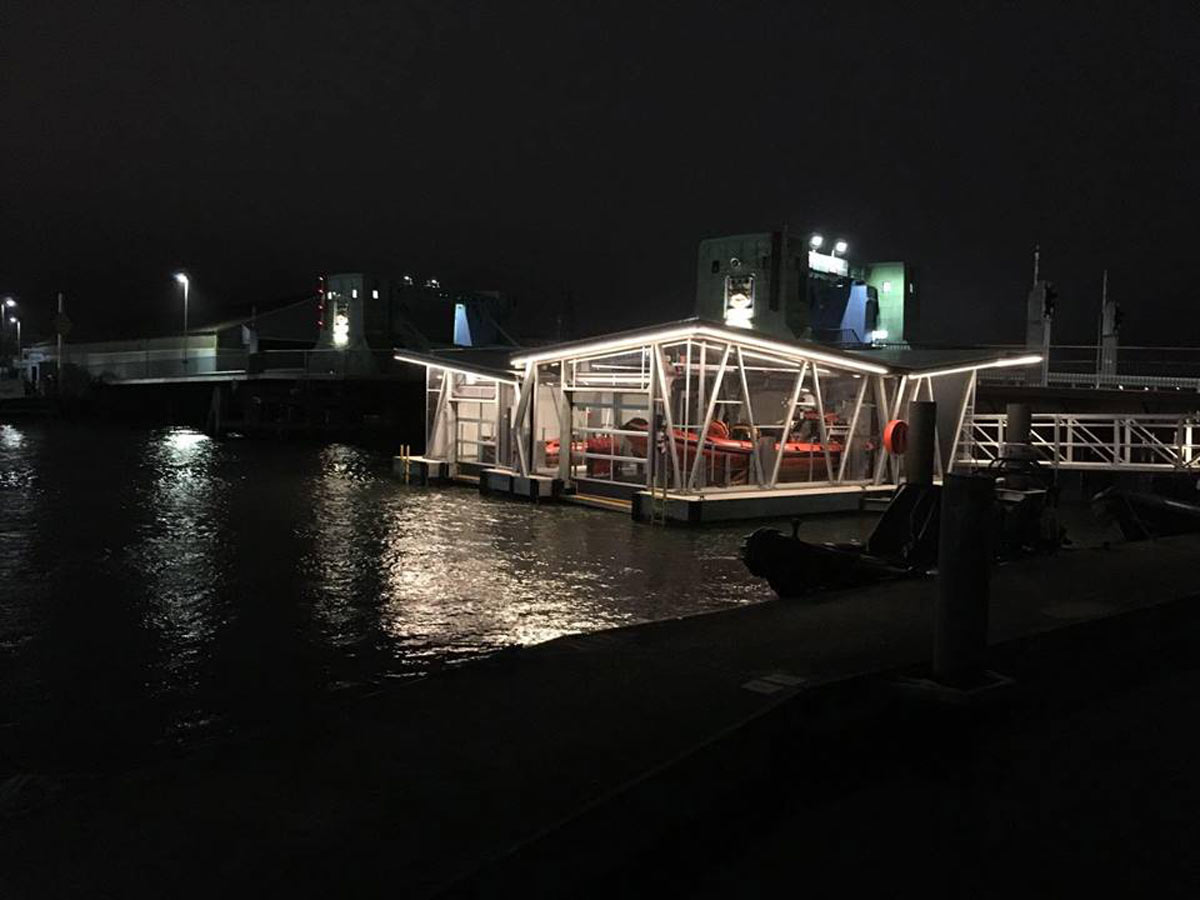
(179, 551)
(465, 574)
(16, 470)
(11, 437)
(165, 584)
(343, 551)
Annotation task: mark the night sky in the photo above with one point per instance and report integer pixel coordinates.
(588, 147)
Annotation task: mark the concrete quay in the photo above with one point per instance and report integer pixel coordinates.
(518, 769)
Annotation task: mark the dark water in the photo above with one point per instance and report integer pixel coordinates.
(158, 588)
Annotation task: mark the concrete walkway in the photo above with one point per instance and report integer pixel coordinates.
(407, 791)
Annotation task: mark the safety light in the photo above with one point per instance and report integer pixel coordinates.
(816, 241)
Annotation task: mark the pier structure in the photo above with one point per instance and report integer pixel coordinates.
(321, 364)
(1110, 442)
(691, 421)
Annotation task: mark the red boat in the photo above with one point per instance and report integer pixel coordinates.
(726, 452)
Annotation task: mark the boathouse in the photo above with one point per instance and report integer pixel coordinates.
(692, 420)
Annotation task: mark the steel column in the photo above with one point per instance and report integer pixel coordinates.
(523, 404)
(708, 415)
(821, 429)
(754, 455)
(967, 400)
(862, 390)
(665, 386)
(787, 425)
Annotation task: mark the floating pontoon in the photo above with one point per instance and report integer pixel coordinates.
(691, 421)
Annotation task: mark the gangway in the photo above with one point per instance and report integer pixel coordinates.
(1091, 441)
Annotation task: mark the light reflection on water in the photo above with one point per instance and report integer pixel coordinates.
(165, 585)
(177, 553)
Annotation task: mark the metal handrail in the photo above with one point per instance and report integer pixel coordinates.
(1149, 442)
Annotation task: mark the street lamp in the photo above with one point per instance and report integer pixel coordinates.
(182, 278)
(9, 303)
(16, 322)
(816, 241)
(839, 247)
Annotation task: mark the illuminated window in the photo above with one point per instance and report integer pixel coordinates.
(354, 293)
(739, 300)
(375, 295)
(341, 324)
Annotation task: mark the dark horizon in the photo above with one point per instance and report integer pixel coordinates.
(588, 150)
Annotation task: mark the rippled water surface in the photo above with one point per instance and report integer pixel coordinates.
(159, 587)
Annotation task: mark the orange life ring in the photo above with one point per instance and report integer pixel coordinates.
(895, 436)
(718, 429)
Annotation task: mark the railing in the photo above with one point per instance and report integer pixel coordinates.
(1141, 443)
(1120, 382)
(1137, 368)
(152, 364)
(325, 361)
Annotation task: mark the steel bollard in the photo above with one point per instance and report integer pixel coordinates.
(963, 581)
(918, 458)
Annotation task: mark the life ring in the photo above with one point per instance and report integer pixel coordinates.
(895, 436)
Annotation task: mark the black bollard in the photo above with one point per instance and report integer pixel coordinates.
(964, 573)
(1018, 425)
(504, 443)
(918, 458)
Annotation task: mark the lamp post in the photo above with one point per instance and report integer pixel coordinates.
(182, 278)
(6, 307)
(17, 322)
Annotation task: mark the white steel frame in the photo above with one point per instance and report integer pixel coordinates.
(686, 392)
(1113, 442)
(644, 369)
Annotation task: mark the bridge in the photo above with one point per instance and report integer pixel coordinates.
(163, 361)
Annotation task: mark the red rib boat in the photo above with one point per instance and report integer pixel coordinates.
(724, 453)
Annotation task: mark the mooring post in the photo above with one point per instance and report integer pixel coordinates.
(964, 575)
(918, 457)
(1018, 427)
(214, 412)
(504, 443)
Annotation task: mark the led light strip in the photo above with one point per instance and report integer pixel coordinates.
(698, 331)
(431, 364)
(994, 364)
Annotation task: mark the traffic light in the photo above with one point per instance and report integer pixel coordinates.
(1049, 296)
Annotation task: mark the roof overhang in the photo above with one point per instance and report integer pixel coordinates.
(1029, 359)
(461, 367)
(696, 329)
